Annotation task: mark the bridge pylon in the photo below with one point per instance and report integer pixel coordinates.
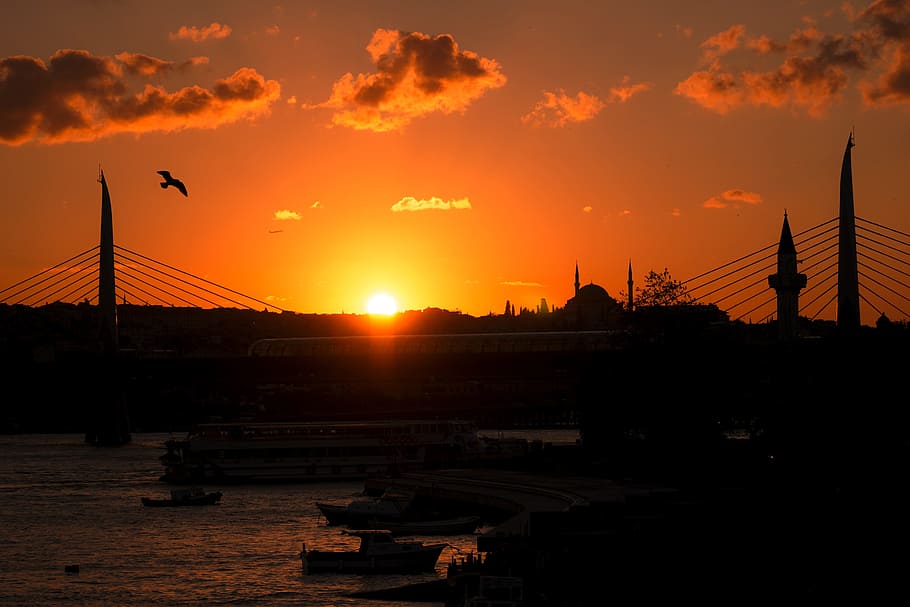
(848, 319)
(108, 423)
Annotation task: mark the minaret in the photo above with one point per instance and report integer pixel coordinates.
(577, 284)
(847, 275)
(787, 282)
(629, 283)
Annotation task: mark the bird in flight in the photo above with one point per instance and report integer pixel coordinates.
(168, 180)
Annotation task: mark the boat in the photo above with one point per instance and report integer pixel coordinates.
(269, 452)
(194, 496)
(379, 552)
(451, 526)
(359, 513)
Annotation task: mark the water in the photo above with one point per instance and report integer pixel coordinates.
(63, 502)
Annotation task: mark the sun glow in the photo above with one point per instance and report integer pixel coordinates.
(382, 303)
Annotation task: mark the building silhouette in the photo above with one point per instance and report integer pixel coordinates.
(787, 282)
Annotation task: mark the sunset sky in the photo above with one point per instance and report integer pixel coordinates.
(451, 154)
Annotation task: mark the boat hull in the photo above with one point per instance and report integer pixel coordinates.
(456, 526)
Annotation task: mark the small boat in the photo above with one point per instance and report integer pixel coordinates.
(450, 526)
(194, 496)
(379, 552)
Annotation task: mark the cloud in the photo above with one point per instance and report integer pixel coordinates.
(558, 109)
(145, 65)
(520, 283)
(214, 31)
(272, 30)
(742, 196)
(675, 212)
(416, 75)
(316, 205)
(891, 21)
(587, 208)
(732, 198)
(286, 215)
(723, 42)
(625, 91)
(409, 203)
(816, 67)
(292, 100)
(77, 96)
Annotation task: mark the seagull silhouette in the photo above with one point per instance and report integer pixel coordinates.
(168, 180)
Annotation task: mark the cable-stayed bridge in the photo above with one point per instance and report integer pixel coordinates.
(850, 263)
(741, 289)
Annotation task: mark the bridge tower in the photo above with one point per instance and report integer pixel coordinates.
(107, 297)
(108, 423)
(847, 275)
(787, 283)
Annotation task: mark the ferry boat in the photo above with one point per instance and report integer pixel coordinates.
(270, 452)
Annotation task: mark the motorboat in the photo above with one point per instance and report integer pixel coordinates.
(451, 526)
(379, 552)
(193, 496)
(361, 513)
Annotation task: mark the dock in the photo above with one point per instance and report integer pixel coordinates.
(578, 540)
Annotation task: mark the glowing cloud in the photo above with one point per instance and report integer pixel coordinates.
(416, 75)
(145, 65)
(285, 215)
(587, 208)
(409, 203)
(77, 96)
(215, 31)
(316, 205)
(625, 91)
(520, 283)
(732, 198)
(558, 109)
(272, 30)
(815, 70)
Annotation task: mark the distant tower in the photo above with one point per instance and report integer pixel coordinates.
(577, 284)
(847, 275)
(787, 282)
(629, 283)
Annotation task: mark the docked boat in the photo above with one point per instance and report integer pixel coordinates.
(451, 526)
(194, 496)
(249, 452)
(379, 552)
(359, 513)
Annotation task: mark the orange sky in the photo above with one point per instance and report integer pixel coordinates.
(451, 154)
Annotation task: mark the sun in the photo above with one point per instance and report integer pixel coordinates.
(382, 303)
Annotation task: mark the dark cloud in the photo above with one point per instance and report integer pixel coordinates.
(816, 68)
(76, 96)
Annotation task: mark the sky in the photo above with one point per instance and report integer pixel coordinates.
(452, 155)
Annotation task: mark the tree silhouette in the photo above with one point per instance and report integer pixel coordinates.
(660, 290)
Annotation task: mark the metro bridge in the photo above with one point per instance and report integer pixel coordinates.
(846, 261)
(849, 262)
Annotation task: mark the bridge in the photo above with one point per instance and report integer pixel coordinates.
(852, 265)
(848, 262)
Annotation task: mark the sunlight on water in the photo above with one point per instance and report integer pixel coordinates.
(63, 502)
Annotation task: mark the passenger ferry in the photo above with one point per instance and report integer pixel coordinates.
(262, 452)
